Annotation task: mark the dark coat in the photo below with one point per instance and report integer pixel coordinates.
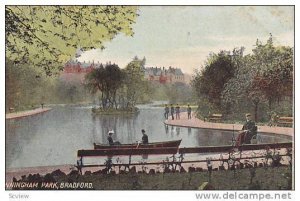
(189, 110)
(172, 110)
(145, 139)
(110, 140)
(252, 128)
(250, 125)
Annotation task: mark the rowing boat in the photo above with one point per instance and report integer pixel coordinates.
(174, 143)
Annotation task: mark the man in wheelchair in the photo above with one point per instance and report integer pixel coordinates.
(249, 132)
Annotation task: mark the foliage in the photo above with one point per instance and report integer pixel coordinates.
(209, 82)
(252, 82)
(135, 86)
(264, 76)
(119, 88)
(26, 90)
(69, 92)
(107, 80)
(47, 36)
(180, 93)
(274, 78)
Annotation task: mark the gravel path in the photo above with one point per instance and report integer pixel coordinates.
(26, 113)
(197, 123)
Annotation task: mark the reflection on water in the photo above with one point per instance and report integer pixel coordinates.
(53, 138)
(167, 129)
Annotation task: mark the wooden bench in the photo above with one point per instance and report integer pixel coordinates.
(215, 117)
(285, 121)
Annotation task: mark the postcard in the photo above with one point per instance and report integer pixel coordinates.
(156, 98)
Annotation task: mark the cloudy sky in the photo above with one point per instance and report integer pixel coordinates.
(183, 36)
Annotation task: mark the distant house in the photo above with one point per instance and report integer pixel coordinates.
(164, 75)
(75, 71)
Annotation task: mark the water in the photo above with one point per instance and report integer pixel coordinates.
(53, 138)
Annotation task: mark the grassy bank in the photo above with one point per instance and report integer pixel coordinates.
(270, 178)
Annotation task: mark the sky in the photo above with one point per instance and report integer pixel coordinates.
(183, 36)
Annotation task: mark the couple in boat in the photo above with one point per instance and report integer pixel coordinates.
(111, 141)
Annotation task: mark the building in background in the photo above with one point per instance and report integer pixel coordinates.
(75, 71)
(166, 75)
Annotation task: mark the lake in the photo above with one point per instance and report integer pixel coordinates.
(53, 138)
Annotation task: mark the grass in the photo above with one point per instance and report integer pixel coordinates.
(264, 179)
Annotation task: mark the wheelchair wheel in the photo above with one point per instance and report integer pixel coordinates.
(256, 139)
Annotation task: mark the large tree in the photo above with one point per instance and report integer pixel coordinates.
(274, 66)
(240, 90)
(135, 84)
(47, 36)
(210, 81)
(264, 76)
(107, 80)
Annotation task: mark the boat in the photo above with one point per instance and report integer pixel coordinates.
(174, 143)
(127, 151)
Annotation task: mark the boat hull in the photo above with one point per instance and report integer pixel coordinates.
(174, 143)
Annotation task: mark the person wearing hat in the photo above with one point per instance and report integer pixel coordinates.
(109, 138)
(248, 131)
(145, 137)
(250, 128)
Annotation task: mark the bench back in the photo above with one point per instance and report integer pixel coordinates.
(287, 119)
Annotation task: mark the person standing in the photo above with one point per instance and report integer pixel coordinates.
(172, 111)
(144, 137)
(189, 111)
(177, 112)
(166, 111)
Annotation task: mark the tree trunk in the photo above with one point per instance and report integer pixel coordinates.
(255, 110)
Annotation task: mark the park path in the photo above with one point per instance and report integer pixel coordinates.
(198, 123)
(16, 115)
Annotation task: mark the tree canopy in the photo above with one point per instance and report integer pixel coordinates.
(254, 81)
(264, 76)
(47, 36)
(209, 82)
(107, 80)
(135, 84)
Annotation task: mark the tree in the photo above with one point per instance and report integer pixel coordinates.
(239, 89)
(24, 89)
(106, 79)
(209, 82)
(134, 85)
(264, 76)
(47, 36)
(274, 66)
(179, 93)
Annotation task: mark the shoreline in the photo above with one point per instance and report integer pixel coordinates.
(17, 115)
(198, 123)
